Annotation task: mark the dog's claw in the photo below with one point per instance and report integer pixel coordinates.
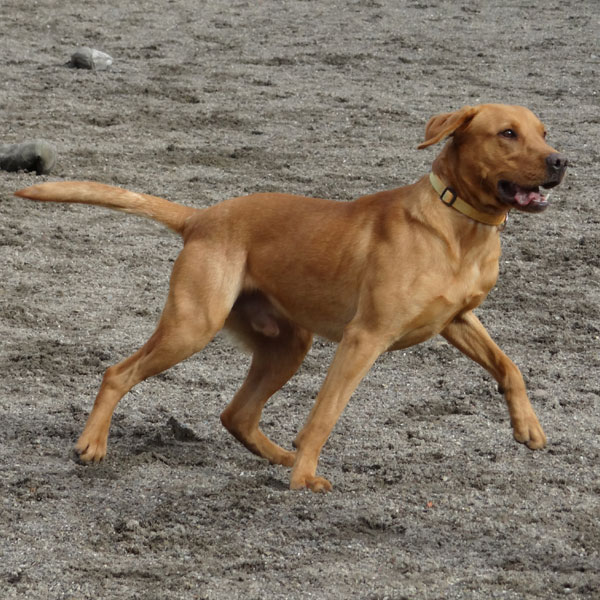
(76, 457)
(536, 444)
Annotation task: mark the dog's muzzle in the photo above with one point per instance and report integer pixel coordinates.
(530, 198)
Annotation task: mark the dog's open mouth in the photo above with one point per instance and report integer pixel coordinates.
(529, 199)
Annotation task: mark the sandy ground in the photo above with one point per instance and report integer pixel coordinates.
(206, 100)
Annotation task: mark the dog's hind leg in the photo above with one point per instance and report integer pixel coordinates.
(200, 298)
(274, 360)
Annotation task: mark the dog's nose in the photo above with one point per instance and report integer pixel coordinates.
(556, 163)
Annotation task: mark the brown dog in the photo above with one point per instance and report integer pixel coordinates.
(381, 273)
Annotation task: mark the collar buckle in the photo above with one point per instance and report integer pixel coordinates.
(450, 191)
(463, 207)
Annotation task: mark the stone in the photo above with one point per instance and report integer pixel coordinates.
(89, 58)
(35, 155)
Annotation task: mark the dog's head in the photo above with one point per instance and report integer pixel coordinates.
(497, 156)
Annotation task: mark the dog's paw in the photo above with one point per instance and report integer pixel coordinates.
(530, 432)
(282, 457)
(312, 483)
(89, 451)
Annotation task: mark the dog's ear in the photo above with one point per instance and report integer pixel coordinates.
(441, 126)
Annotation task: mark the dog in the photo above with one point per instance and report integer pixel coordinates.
(380, 273)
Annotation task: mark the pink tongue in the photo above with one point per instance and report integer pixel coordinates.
(524, 197)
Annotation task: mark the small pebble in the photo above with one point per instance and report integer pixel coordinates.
(89, 58)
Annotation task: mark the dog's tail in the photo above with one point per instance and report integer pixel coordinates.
(170, 214)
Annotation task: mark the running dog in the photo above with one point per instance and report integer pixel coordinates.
(381, 273)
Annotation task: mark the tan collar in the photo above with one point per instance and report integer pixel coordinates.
(461, 206)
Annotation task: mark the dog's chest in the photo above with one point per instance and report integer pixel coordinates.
(472, 281)
(439, 295)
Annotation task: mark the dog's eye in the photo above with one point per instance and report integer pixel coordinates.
(509, 133)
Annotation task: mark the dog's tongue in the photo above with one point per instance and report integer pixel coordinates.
(526, 197)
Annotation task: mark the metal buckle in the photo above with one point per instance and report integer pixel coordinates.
(454, 196)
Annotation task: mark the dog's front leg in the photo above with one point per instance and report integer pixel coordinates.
(470, 337)
(357, 351)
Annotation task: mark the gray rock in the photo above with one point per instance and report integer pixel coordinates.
(34, 155)
(89, 58)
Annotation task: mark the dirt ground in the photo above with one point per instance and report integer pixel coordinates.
(205, 100)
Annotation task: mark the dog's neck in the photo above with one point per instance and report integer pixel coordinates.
(450, 198)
